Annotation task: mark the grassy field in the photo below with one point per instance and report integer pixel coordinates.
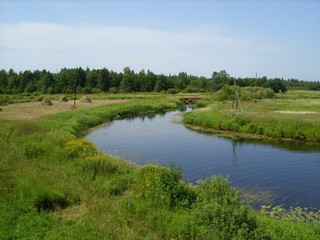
(293, 116)
(56, 185)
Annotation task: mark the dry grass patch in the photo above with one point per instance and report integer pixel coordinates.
(34, 110)
(72, 213)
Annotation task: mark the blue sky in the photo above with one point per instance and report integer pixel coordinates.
(272, 38)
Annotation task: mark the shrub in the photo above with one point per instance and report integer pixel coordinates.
(172, 91)
(201, 104)
(113, 90)
(220, 212)
(64, 138)
(96, 90)
(50, 90)
(268, 93)
(119, 185)
(163, 186)
(79, 148)
(192, 90)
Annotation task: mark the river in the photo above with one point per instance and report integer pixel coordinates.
(265, 173)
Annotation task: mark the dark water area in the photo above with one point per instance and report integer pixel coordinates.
(283, 173)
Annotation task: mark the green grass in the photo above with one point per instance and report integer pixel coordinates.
(279, 118)
(56, 185)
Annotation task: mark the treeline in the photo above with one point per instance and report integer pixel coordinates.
(104, 80)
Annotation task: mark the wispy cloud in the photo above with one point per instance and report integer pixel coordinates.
(35, 45)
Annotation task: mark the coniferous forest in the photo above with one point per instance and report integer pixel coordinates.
(67, 80)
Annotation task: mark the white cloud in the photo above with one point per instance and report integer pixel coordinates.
(200, 51)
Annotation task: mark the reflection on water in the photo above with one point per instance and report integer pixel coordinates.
(283, 173)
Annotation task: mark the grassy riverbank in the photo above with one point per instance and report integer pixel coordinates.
(293, 116)
(55, 185)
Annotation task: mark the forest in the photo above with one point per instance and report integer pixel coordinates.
(69, 80)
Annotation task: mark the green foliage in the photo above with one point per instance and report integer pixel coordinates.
(163, 187)
(34, 196)
(33, 149)
(201, 104)
(79, 148)
(276, 119)
(245, 93)
(172, 91)
(98, 164)
(119, 185)
(219, 211)
(47, 189)
(103, 80)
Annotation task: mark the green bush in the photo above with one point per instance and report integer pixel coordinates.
(172, 91)
(79, 148)
(219, 212)
(119, 185)
(163, 186)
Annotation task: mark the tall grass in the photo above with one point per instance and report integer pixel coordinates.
(296, 120)
(55, 185)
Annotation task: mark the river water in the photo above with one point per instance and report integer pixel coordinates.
(264, 173)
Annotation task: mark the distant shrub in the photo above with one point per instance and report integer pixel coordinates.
(113, 90)
(4, 100)
(50, 90)
(245, 93)
(39, 98)
(86, 90)
(172, 91)
(192, 90)
(96, 90)
(268, 93)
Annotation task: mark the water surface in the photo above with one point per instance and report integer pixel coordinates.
(272, 173)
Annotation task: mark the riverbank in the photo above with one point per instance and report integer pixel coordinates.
(282, 119)
(56, 185)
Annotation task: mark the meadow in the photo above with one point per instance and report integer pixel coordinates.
(292, 116)
(56, 185)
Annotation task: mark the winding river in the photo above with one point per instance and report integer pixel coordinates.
(264, 173)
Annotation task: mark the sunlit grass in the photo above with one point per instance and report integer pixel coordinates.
(55, 185)
(285, 118)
